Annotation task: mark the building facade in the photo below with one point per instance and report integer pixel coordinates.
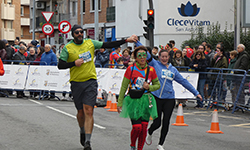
(106, 17)
(171, 22)
(14, 21)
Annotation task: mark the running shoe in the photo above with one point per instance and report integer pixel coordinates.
(82, 138)
(133, 148)
(159, 147)
(87, 146)
(149, 139)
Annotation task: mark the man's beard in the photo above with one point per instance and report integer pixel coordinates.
(78, 39)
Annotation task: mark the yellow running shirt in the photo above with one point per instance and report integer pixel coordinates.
(72, 51)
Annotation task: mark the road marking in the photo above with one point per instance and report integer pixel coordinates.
(244, 125)
(62, 112)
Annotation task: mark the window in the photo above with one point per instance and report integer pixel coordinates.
(73, 8)
(9, 1)
(93, 5)
(22, 11)
(21, 32)
(8, 24)
(83, 6)
(111, 3)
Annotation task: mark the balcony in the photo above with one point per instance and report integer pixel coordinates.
(25, 2)
(110, 14)
(8, 34)
(25, 21)
(8, 11)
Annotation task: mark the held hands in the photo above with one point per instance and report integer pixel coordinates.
(119, 109)
(79, 62)
(200, 97)
(132, 38)
(195, 65)
(146, 86)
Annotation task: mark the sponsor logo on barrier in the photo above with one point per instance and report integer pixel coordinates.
(17, 82)
(114, 87)
(99, 74)
(48, 84)
(116, 76)
(6, 71)
(3, 82)
(19, 71)
(45, 83)
(35, 72)
(52, 73)
(99, 85)
(67, 74)
(33, 83)
(66, 84)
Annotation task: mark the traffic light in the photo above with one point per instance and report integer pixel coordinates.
(150, 19)
(56, 8)
(146, 35)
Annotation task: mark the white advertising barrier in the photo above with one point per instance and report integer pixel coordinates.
(48, 78)
(14, 77)
(180, 91)
(51, 78)
(110, 79)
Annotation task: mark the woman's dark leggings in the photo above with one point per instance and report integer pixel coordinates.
(166, 107)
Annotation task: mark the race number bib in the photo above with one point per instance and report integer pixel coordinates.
(139, 82)
(167, 74)
(85, 56)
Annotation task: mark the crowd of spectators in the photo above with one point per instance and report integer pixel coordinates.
(197, 59)
(22, 53)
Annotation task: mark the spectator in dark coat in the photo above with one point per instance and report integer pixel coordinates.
(19, 56)
(10, 51)
(199, 63)
(3, 53)
(241, 63)
(102, 57)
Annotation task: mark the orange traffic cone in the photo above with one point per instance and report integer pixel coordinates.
(113, 104)
(180, 118)
(99, 95)
(108, 105)
(215, 124)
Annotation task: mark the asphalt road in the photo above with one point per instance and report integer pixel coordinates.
(27, 124)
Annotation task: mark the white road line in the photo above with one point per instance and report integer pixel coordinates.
(62, 112)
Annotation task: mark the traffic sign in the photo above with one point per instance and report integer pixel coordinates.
(64, 26)
(48, 29)
(47, 15)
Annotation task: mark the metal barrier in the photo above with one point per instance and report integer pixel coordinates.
(226, 89)
(108, 65)
(22, 61)
(98, 65)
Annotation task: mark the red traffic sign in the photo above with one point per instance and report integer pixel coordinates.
(48, 29)
(64, 26)
(47, 15)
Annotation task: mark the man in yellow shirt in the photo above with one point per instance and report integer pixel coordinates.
(78, 55)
